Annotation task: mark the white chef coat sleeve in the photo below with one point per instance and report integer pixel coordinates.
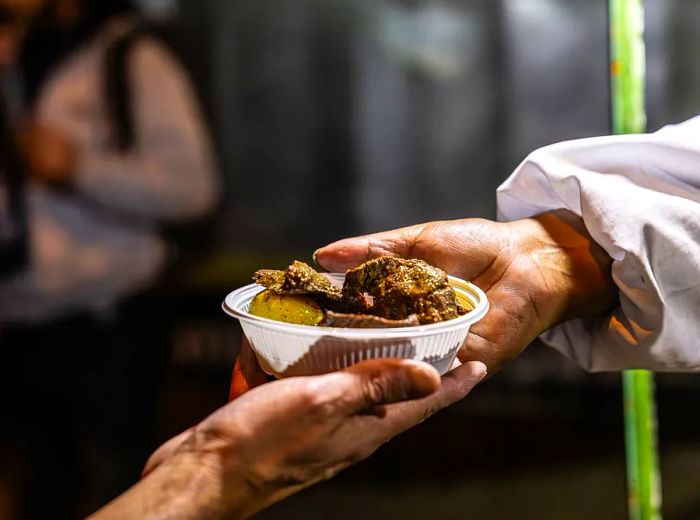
(639, 197)
(171, 173)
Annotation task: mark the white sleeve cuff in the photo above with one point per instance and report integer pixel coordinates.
(639, 198)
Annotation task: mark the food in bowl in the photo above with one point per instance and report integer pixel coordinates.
(286, 345)
(286, 307)
(385, 292)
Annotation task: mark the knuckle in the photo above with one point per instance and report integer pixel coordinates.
(316, 403)
(381, 247)
(376, 390)
(387, 387)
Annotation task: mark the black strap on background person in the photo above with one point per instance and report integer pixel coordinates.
(13, 221)
(187, 241)
(117, 88)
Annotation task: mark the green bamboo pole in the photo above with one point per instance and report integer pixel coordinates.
(627, 72)
(627, 66)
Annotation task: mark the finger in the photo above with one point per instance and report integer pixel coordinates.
(380, 411)
(250, 366)
(164, 452)
(465, 248)
(345, 254)
(247, 373)
(239, 385)
(478, 348)
(505, 331)
(375, 383)
(454, 387)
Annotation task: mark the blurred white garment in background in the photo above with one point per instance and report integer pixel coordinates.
(98, 243)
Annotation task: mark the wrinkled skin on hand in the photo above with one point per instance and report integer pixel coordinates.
(536, 272)
(286, 435)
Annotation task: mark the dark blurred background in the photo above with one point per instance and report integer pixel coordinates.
(341, 117)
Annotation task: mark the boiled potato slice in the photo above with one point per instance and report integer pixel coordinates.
(465, 302)
(290, 309)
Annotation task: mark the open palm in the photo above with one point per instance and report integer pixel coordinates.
(536, 273)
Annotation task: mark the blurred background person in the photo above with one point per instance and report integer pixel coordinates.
(115, 153)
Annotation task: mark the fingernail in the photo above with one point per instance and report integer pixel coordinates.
(481, 372)
(319, 267)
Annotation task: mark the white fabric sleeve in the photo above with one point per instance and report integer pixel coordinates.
(639, 197)
(171, 173)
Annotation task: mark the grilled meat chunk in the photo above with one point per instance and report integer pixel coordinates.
(384, 292)
(365, 321)
(395, 288)
(300, 279)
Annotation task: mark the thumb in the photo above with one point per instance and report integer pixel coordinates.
(377, 382)
(346, 254)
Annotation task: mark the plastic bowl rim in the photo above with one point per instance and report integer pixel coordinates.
(476, 314)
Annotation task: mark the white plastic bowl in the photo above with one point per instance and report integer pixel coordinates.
(286, 349)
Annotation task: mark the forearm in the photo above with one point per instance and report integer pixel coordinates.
(187, 486)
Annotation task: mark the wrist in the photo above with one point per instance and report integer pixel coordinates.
(191, 484)
(570, 273)
(215, 483)
(238, 485)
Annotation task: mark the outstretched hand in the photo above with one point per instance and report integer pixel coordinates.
(287, 435)
(536, 272)
(281, 437)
